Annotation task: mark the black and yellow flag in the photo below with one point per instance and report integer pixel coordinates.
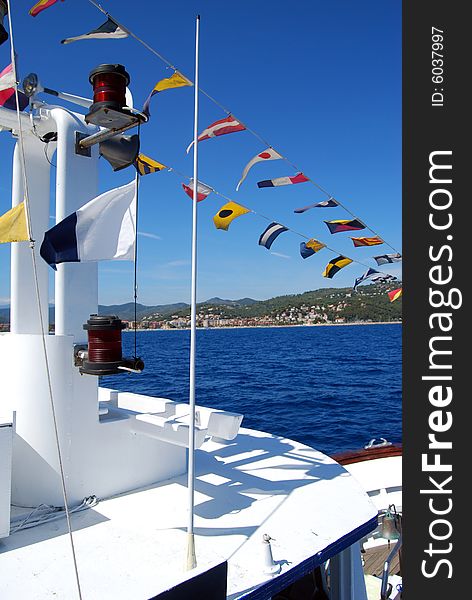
(335, 265)
(145, 165)
(227, 213)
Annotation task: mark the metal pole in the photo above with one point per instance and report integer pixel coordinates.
(191, 556)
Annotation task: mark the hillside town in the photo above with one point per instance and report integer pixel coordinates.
(320, 307)
(336, 309)
(212, 317)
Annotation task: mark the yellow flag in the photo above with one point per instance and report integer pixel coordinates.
(146, 165)
(13, 226)
(315, 245)
(227, 213)
(335, 265)
(175, 81)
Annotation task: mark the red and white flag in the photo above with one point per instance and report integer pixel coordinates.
(202, 190)
(7, 79)
(228, 125)
(298, 178)
(269, 154)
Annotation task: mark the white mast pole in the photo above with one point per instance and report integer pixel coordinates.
(191, 556)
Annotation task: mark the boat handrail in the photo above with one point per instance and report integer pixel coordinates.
(386, 587)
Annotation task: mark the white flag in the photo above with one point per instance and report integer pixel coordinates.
(108, 30)
(102, 229)
(269, 154)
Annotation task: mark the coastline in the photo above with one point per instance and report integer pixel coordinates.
(356, 323)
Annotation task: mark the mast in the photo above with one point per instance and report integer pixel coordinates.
(191, 556)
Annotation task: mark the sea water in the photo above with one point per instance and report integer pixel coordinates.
(330, 387)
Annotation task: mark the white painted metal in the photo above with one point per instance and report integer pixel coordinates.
(138, 403)
(256, 484)
(381, 479)
(24, 305)
(169, 421)
(35, 463)
(101, 457)
(76, 183)
(9, 120)
(220, 424)
(223, 423)
(191, 555)
(129, 98)
(167, 429)
(270, 566)
(80, 100)
(347, 576)
(6, 438)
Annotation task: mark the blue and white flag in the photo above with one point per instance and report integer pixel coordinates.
(309, 248)
(383, 278)
(106, 31)
(331, 203)
(387, 258)
(375, 276)
(367, 275)
(102, 229)
(268, 236)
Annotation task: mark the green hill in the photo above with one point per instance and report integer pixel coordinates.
(370, 303)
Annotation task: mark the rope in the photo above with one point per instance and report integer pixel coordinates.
(38, 299)
(136, 267)
(45, 513)
(133, 35)
(228, 112)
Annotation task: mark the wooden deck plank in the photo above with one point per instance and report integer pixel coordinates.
(374, 559)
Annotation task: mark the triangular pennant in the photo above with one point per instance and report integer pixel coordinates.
(174, 81)
(13, 226)
(106, 31)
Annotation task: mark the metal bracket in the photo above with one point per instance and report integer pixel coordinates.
(79, 149)
(80, 353)
(113, 123)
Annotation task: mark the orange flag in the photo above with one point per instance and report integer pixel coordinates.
(41, 5)
(395, 294)
(366, 241)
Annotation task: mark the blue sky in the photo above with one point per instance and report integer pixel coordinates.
(321, 81)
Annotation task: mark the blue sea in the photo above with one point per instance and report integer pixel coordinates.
(333, 388)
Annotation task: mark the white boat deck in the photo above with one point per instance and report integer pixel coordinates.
(382, 478)
(134, 545)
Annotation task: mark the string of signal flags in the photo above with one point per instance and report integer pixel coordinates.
(232, 210)
(113, 29)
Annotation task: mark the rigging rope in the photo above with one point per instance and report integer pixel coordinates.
(136, 260)
(38, 299)
(228, 112)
